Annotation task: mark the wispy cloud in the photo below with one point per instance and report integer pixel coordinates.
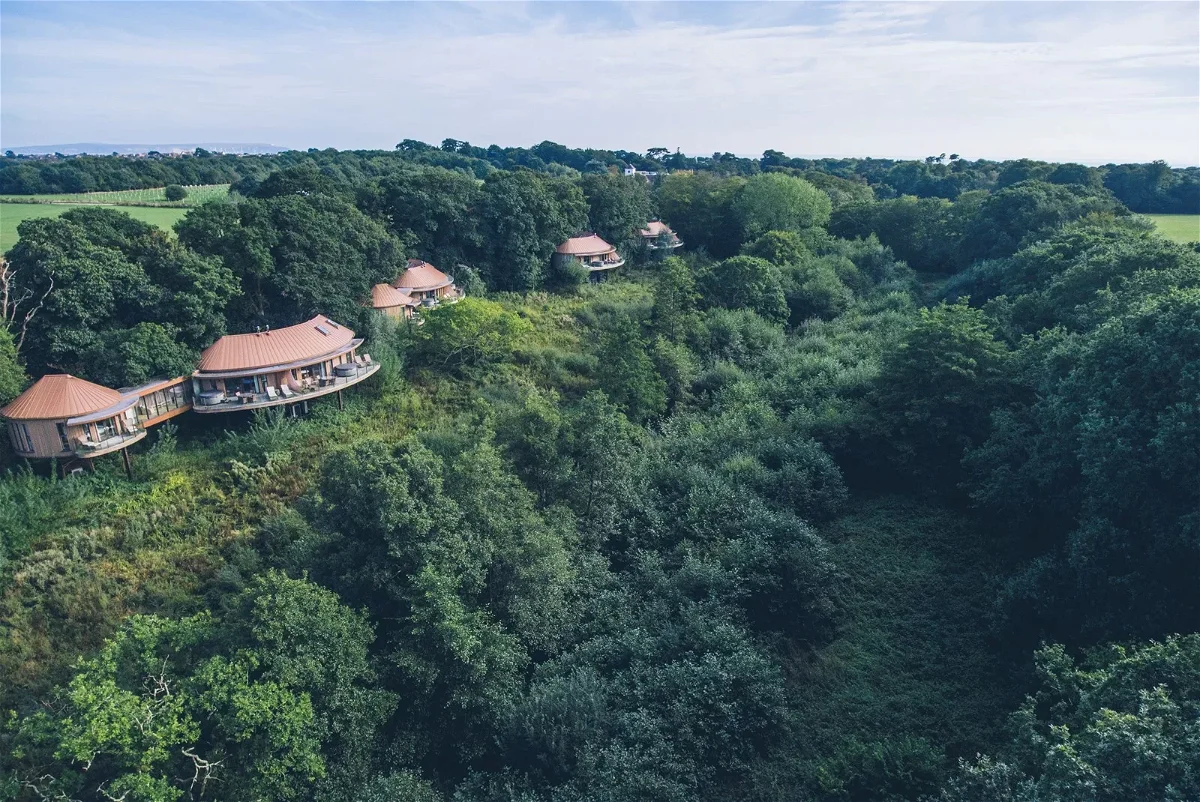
(1075, 81)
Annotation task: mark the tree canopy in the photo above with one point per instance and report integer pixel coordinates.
(120, 301)
(747, 282)
(295, 256)
(618, 206)
(524, 217)
(777, 202)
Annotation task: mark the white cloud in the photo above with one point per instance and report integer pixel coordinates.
(878, 79)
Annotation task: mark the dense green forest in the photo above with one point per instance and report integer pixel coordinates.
(1143, 188)
(884, 487)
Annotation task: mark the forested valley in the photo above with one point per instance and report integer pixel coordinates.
(884, 486)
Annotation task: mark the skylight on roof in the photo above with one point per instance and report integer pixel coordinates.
(331, 323)
(323, 330)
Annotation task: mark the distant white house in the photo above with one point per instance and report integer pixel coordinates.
(634, 171)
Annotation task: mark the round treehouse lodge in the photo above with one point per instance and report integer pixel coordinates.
(286, 366)
(71, 420)
(592, 252)
(658, 236)
(394, 303)
(428, 285)
(65, 418)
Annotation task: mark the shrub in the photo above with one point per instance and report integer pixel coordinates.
(897, 769)
(778, 247)
(174, 193)
(747, 282)
(469, 335)
(815, 290)
(566, 274)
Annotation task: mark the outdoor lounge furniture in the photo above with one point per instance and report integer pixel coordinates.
(287, 391)
(272, 393)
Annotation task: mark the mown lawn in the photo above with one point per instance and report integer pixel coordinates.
(1178, 227)
(12, 214)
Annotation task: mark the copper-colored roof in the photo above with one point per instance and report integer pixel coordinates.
(58, 397)
(655, 228)
(385, 296)
(589, 245)
(309, 340)
(421, 276)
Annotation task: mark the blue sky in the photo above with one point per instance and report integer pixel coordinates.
(1091, 82)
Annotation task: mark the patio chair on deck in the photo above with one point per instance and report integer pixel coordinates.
(287, 391)
(272, 393)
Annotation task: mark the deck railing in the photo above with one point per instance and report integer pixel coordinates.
(85, 446)
(344, 375)
(602, 264)
(451, 296)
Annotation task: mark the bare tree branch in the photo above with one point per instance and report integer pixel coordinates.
(101, 790)
(16, 307)
(40, 787)
(203, 770)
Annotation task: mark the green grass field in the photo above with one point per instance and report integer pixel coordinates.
(11, 215)
(1178, 227)
(196, 195)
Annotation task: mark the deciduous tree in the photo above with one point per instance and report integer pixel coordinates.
(937, 387)
(468, 336)
(626, 373)
(106, 279)
(295, 256)
(433, 211)
(524, 216)
(747, 282)
(618, 206)
(778, 202)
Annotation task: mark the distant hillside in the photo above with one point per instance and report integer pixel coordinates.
(107, 149)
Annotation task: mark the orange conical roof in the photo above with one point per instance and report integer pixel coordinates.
(421, 276)
(656, 228)
(60, 396)
(385, 296)
(309, 340)
(585, 245)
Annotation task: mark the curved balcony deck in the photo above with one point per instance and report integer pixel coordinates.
(607, 264)
(87, 449)
(652, 244)
(206, 403)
